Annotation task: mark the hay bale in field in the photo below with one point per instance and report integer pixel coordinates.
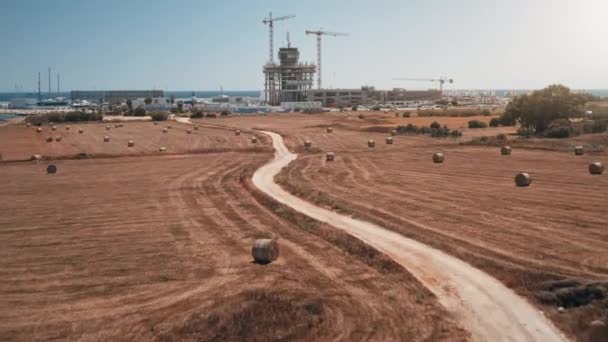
(329, 130)
(116, 125)
(438, 157)
(28, 124)
(54, 128)
(39, 130)
(330, 156)
(389, 140)
(505, 150)
(196, 127)
(36, 157)
(523, 179)
(371, 143)
(598, 331)
(108, 128)
(579, 151)
(80, 131)
(307, 144)
(188, 131)
(394, 131)
(162, 149)
(596, 168)
(165, 130)
(254, 140)
(169, 126)
(265, 250)
(121, 125)
(67, 128)
(58, 139)
(155, 123)
(106, 138)
(49, 139)
(131, 143)
(51, 169)
(237, 132)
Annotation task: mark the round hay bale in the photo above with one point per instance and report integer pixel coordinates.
(54, 128)
(329, 130)
(121, 125)
(80, 131)
(389, 140)
(108, 128)
(237, 132)
(188, 131)
(394, 131)
(58, 139)
(579, 151)
(165, 130)
(49, 139)
(523, 179)
(39, 130)
(265, 250)
(254, 140)
(505, 150)
(162, 149)
(596, 168)
(598, 331)
(371, 143)
(28, 124)
(51, 169)
(330, 156)
(169, 126)
(131, 143)
(36, 157)
(116, 125)
(307, 143)
(196, 127)
(106, 138)
(155, 123)
(67, 128)
(438, 157)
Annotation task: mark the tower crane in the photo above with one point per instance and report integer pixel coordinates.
(441, 80)
(320, 33)
(270, 20)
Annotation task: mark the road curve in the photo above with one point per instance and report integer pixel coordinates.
(482, 305)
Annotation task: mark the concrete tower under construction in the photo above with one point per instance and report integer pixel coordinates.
(288, 81)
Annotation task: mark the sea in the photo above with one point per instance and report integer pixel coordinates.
(6, 97)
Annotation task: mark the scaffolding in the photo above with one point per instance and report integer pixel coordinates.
(288, 81)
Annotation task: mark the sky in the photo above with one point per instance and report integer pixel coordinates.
(202, 45)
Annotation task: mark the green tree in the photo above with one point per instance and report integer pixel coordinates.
(537, 110)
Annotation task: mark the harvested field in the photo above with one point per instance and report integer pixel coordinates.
(19, 142)
(143, 248)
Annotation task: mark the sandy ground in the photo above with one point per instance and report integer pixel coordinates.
(158, 248)
(477, 300)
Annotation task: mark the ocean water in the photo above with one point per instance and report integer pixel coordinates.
(7, 116)
(5, 97)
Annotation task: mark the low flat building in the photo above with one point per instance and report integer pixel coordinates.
(368, 95)
(113, 96)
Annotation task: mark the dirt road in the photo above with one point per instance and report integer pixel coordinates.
(483, 305)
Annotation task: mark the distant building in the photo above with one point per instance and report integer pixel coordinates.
(288, 81)
(369, 95)
(113, 96)
(22, 103)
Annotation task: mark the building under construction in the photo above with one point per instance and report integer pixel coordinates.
(288, 81)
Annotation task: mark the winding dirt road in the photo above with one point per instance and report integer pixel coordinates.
(482, 305)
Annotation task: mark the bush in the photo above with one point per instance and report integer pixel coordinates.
(525, 132)
(477, 124)
(74, 116)
(376, 108)
(595, 126)
(501, 138)
(224, 113)
(406, 114)
(560, 128)
(312, 111)
(435, 125)
(139, 111)
(456, 133)
(211, 115)
(360, 116)
(296, 110)
(486, 112)
(354, 108)
(159, 116)
(197, 114)
(494, 122)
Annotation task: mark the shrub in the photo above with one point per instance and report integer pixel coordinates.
(376, 108)
(406, 114)
(456, 133)
(312, 111)
(139, 111)
(360, 116)
(477, 124)
(435, 125)
(494, 122)
(595, 126)
(74, 116)
(197, 114)
(486, 112)
(501, 138)
(560, 128)
(211, 115)
(354, 108)
(525, 132)
(296, 110)
(159, 116)
(224, 113)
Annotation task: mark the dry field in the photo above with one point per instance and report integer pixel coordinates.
(19, 142)
(158, 247)
(548, 241)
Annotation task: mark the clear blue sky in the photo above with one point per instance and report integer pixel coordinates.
(183, 45)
